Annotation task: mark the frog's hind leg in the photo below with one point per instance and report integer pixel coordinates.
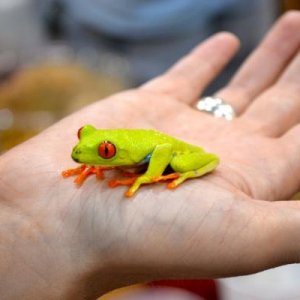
(192, 165)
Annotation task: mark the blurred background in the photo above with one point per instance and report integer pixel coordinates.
(59, 55)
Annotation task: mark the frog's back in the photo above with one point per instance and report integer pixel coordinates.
(151, 138)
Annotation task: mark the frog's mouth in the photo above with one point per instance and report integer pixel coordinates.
(75, 159)
(75, 154)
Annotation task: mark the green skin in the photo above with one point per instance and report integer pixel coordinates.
(138, 146)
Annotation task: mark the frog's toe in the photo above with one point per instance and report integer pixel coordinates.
(172, 185)
(116, 182)
(87, 171)
(74, 171)
(132, 190)
(165, 177)
(129, 193)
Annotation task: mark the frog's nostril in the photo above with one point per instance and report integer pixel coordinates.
(75, 154)
(76, 151)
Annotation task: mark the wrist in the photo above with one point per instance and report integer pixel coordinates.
(46, 243)
(33, 266)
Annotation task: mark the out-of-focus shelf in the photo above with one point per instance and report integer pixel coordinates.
(37, 96)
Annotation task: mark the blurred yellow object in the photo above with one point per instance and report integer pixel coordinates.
(36, 97)
(122, 292)
(296, 197)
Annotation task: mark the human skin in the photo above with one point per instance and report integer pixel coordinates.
(62, 242)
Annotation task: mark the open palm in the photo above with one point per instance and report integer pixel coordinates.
(217, 225)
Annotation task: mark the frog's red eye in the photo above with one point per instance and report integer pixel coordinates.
(107, 150)
(79, 132)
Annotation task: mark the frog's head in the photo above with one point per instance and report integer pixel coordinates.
(100, 147)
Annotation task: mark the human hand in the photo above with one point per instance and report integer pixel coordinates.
(90, 240)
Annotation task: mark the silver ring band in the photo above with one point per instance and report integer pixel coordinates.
(216, 107)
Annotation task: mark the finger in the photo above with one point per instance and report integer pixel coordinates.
(189, 77)
(266, 63)
(278, 109)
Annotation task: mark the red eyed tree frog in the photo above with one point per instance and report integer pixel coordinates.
(105, 149)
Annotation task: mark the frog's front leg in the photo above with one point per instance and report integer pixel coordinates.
(84, 171)
(160, 158)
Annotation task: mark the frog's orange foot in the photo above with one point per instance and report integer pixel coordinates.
(99, 171)
(72, 172)
(172, 185)
(84, 174)
(166, 177)
(117, 182)
(130, 174)
(84, 171)
(129, 194)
